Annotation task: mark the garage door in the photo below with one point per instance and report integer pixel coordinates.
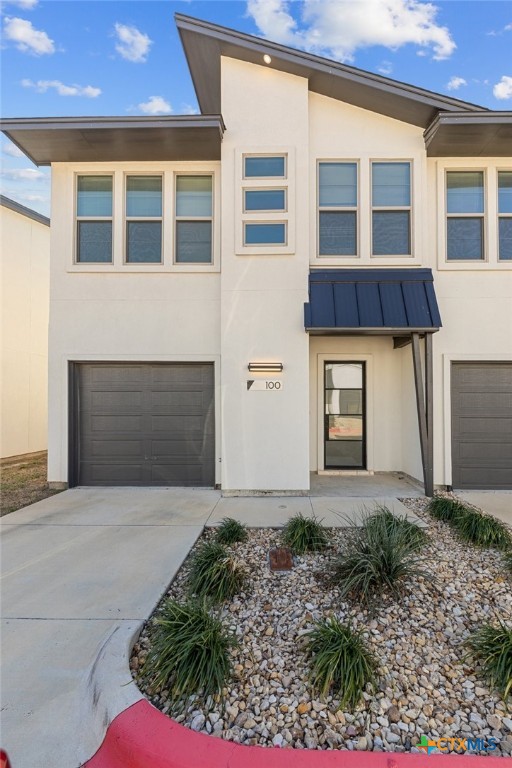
(148, 424)
(482, 425)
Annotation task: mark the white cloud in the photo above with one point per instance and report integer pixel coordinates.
(24, 174)
(41, 86)
(508, 28)
(12, 150)
(455, 83)
(503, 89)
(385, 68)
(132, 44)
(340, 28)
(188, 109)
(155, 105)
(27, 38)
(27, 5)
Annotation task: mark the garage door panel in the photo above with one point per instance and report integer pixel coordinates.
(140, 425)
(482, 425)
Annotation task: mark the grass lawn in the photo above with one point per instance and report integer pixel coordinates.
(23, 482)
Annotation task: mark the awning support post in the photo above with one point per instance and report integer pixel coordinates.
(424, 408)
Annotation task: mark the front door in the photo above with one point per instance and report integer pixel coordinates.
(344, 416)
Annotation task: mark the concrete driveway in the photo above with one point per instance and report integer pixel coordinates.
(496, 503)
(81, 571)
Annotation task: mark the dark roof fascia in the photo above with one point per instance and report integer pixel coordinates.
(372, 275)
(24, 211)
(467, 121)
(218, 40)
(314, 331)
(81, 125)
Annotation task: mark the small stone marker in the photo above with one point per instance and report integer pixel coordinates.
(280, 559)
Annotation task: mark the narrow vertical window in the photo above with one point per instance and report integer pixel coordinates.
(337, 209)
(391, 209)
(143, 219)
(194, 219)
(465, 215)
(505, 215)
(94, 220)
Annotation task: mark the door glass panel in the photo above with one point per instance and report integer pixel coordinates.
(344, 453)
(343, 375)
(344, 427)
(346, 401)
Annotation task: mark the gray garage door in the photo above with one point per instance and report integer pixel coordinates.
(147, 424)
(482, 425)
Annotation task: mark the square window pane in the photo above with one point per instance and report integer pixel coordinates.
(344, 453)
(94, 242)
(344, 401)
(264, 167)
(94, 196)
(264, 200)
(391, 233)
(338, 184)
(465, 191)
(265, 234)
(391, 184)
(465, 239)
(194, 242)
(505, 191)
(343, 375)
(337, 233)
(345, 427)
(144, 242)
(505, 239)
(144, 196)
(194, 196)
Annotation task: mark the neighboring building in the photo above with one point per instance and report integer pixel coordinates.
(25, 292)
(185, 248)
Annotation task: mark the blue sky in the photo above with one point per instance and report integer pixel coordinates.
(110, 57)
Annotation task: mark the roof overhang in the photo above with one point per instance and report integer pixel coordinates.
(6, 202)
(205, 43)
(47, 140)
(465, 134)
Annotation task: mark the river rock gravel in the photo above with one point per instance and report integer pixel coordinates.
(425, 686)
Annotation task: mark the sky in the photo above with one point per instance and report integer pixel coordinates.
(124, 57)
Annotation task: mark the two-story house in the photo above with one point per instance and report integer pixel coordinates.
(314, 274)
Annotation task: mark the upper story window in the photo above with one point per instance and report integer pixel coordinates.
(505, 215)
(337, 209)
(264, 200)
(94, 220)
(264, 167)
(269, 198)
(465, 210)
(143, 219)
(194, 219)
(391, 208)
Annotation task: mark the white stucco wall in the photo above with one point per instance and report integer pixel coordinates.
(24, 279)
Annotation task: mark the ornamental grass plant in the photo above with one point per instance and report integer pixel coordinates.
(491, 648)
(304, 534)
(215, 574)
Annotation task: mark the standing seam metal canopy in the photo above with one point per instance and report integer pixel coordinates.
(379, 301)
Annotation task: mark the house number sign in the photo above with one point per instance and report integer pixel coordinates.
(264, 385)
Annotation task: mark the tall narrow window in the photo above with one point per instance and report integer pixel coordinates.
(391, 209)
(143, 219)
(465, 212)
(94, 220)
(337, 203)
(505, 215)
(194, 219)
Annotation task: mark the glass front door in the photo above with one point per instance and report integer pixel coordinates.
(344, 416)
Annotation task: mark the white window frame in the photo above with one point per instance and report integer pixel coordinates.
(391, 208)
(77, 219)
(501, 215)
(177, 218)
(131, 264)
(347, 209)
(264, 211)
(482, 216)
(266, 245)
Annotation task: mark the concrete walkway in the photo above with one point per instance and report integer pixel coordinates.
(81, 572)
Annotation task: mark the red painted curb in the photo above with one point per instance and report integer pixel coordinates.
(143, 737)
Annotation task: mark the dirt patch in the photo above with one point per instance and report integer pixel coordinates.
(23, 482)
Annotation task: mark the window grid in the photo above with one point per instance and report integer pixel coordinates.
(191, 219)
(505, 216)
(141, 218)
(338, 209)
(468, 216)
(376, 209)
(93, 219)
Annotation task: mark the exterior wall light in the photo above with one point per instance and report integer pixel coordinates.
(265, 367)
(267, 59)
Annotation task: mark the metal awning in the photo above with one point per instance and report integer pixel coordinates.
(463, 134)
(389, 302)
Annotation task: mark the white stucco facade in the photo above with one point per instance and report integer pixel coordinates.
(248, 305)
(24, 279)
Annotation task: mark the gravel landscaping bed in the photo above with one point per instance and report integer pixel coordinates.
(424, 686)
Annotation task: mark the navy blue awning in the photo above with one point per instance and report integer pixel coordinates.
(380, 301)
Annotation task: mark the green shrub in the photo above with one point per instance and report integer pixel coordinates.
(230, 531)
(482, 530)
(214, 574)
(384, 517)
(304, 534)
(341, 662)
(379, 556)
(190, 653)
(491, 648)
(445, 509)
